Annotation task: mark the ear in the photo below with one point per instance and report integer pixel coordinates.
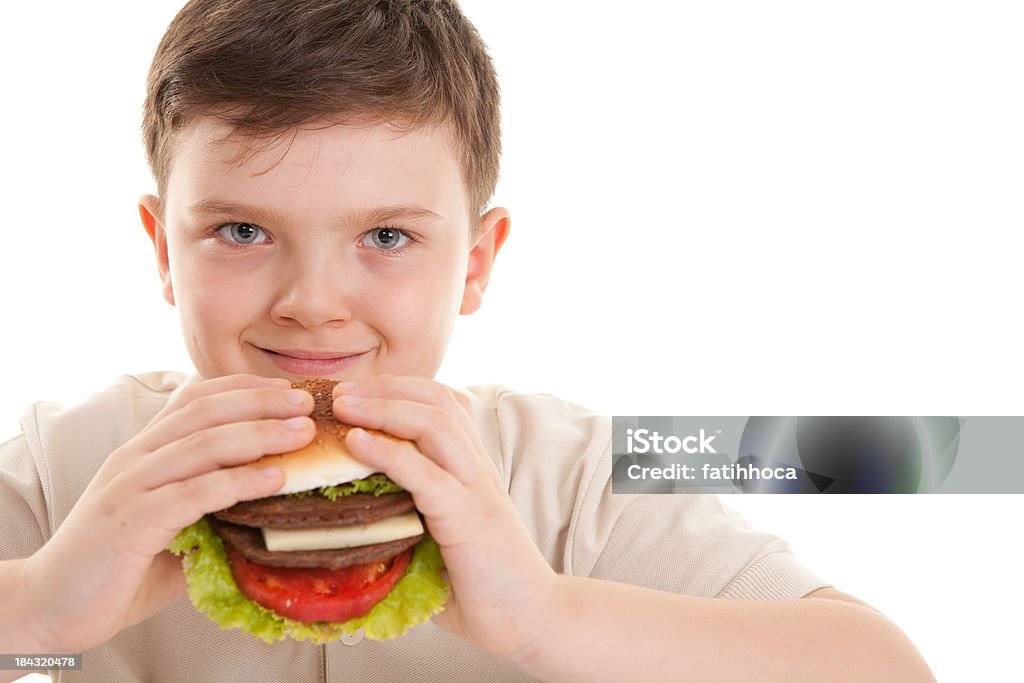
(151, 212)
(494, 227)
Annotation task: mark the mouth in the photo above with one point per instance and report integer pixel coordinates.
(311, 363)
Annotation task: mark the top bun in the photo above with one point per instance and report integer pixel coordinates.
(326, 461)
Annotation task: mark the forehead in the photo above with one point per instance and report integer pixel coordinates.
(318, 164)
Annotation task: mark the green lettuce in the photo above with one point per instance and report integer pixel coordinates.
(377, 484)
(421, 592)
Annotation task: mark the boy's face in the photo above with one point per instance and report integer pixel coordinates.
(349, 242)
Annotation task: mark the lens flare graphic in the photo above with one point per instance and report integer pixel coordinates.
(851, 454)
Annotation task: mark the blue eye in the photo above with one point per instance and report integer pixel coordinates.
(386, 239)
(242, 233)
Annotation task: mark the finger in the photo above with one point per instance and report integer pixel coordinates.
(432, 487)
(210, 402)
(412, 388)
(227, 445)
(175, 506)
(224, 383)
(218, 385)
(450, 618)
(235, 405)
(163, 585)
(421, 390)
(432, 429)
(464, 402)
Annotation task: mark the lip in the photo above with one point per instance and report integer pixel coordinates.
(311, 363)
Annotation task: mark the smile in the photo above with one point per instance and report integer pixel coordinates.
(311, 363)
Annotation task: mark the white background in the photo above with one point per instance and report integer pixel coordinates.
(725, 208)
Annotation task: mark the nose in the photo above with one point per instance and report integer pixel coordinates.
(313, 292)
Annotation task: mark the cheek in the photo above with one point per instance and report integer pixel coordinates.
(213, 305)
(418, 314)
(211, 293)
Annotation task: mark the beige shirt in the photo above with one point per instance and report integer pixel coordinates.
(555, 458)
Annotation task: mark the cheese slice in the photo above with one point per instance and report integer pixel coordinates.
(331, 538)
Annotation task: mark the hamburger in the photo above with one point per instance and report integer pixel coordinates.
(338, 548)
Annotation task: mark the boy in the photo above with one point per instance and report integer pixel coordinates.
(323, 170)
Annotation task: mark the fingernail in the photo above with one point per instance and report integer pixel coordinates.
(341, 387)
(351, 400)
(297, 396)
(296, 423)
(362, 434)
(268, 471)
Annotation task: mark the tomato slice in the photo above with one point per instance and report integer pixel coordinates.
(317, 594)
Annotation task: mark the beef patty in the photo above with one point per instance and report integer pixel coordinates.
(249, 541)
(314, 512)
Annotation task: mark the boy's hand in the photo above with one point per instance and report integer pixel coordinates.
(105, 568)
(502, 586)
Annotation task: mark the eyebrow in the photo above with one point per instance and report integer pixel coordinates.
(269, 215)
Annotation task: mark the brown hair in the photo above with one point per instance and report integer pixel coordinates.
(266, 67)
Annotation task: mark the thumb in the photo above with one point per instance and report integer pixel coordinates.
(163, 585)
